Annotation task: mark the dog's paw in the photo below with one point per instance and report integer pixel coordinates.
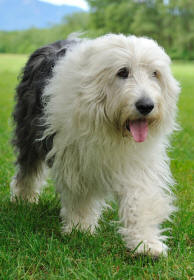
(68, 228)
(30, 197)
(155, 248)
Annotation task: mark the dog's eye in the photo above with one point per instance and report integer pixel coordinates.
(123, 73)
(155, 74)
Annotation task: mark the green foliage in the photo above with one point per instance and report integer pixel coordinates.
(170, 22)
(31, 245)
(29, 40)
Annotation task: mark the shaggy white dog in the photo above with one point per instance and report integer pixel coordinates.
(108, 107)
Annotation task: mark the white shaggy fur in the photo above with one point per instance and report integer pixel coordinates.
(95, 156)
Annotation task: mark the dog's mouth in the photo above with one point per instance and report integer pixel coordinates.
(138, 129)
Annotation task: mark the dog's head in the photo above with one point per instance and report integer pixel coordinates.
(124, 84)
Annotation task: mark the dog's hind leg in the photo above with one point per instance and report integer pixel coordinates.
(31, 152)
(27, 184)
(29, 126)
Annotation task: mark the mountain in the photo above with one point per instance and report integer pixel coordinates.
(23, 14)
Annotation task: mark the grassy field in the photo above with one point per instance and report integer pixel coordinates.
(31, 246)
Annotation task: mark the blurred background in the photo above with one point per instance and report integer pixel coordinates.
(31, 246)
(28, 24)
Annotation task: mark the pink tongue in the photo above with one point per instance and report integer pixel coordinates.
(139, 130)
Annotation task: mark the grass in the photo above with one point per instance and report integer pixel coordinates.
(31, 246)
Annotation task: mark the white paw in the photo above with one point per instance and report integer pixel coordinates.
(23, 192)
(28, 197)
(155, 248)
(68, 227)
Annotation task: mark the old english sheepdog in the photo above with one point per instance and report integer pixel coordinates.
(98, 113)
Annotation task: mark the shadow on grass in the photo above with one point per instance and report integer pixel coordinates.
(42, 217)
(26, 221)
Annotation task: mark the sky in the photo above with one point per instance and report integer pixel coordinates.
(78, 3)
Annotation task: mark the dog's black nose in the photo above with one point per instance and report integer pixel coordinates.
(144, 105)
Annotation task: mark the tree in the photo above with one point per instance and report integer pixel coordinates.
(170, 22)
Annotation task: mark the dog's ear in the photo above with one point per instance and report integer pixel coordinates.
(171, 90)
(171, 84)
(61, 52)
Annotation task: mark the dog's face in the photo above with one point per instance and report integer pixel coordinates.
(130, 81)
(138, 100)
(115, 83)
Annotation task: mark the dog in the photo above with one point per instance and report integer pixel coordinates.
(98, 113)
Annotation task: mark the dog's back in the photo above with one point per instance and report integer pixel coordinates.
(29, 106)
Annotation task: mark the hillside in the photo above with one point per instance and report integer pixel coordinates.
(23, 14)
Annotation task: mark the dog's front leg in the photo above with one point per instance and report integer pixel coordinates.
(79, 211)
(141, 212)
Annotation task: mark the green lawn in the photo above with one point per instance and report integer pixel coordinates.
(31, 246)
